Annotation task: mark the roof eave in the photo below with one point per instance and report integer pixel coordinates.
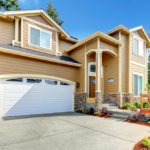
(5, 50)
(98, 33)
(116, 29)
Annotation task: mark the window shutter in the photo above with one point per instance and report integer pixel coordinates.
(141, 48)
(135, 84)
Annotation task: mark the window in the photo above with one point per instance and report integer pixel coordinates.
(62, 83)
(138, 46)
(135, 46)
(15, 80)
(39, 38)
(92, 69)
(51, 82)
(34, 80)
(137, 84)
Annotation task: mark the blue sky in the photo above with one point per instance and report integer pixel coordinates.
(84, 17)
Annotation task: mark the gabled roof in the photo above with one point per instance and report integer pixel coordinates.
(120, 27)
(43, 14)
(142, 31)
(96, 34)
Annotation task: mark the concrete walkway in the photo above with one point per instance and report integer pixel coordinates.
(69, 131)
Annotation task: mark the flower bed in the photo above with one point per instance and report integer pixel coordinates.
(140, 146)
(138, 122)
(91, 111)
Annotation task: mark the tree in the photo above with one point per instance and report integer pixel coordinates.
(9, 5)
(54, 14)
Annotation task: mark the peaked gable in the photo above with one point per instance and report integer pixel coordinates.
(40, 19)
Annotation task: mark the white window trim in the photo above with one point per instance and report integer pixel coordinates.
(139, 39)
(91, 73)
(139, 74)
(43, 30)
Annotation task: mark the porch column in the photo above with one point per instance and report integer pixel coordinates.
(99, 94)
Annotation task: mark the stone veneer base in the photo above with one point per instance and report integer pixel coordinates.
(80, 101)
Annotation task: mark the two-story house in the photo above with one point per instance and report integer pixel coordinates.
(44, 70)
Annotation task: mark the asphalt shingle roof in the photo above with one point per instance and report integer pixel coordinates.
(29, 51)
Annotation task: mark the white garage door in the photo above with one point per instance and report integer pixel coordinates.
(26, 96)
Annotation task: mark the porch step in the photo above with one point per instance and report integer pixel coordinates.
(120, 117)
(120, 112)
(116, 113)
(110, 106)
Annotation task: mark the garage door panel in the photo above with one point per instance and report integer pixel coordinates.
(26, 98)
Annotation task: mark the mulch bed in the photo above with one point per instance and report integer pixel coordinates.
(140, 146)
(138, 122)
(103, 115)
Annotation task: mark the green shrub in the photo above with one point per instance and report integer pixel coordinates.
(133, 108)
(96, 113)
(137, 104)
(126, 105)
(148, 122)
(146, 105)
(86, 111)
(146, 142)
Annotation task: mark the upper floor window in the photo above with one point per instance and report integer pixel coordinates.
(39, 37)
(138, 47)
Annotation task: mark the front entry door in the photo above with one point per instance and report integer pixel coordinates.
(92, 81)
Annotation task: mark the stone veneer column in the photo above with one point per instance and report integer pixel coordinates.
(80, 101)
(119, 99)
(98, 101)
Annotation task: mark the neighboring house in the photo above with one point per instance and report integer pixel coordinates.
(44, 70)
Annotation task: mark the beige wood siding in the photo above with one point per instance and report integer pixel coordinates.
(91, 44)
(11, 64)
(124, 62)
(7, 32)
(106, 45)
(79, 55)
(63, 45)
(26, 36)
(110, 66)
(39, 18)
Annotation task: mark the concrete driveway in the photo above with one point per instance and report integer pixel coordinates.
(69, 131)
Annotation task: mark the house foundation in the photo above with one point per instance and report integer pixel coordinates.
(80, 101)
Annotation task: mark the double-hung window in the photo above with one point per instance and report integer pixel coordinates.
(138, 46)
(39, 37)
(137, 84)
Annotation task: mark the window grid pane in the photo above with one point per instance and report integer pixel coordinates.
(135, 85)
(35, 36)
(138, 85)
(135, 46)
(45, 40)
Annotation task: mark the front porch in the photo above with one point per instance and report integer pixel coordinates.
(102, 78)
